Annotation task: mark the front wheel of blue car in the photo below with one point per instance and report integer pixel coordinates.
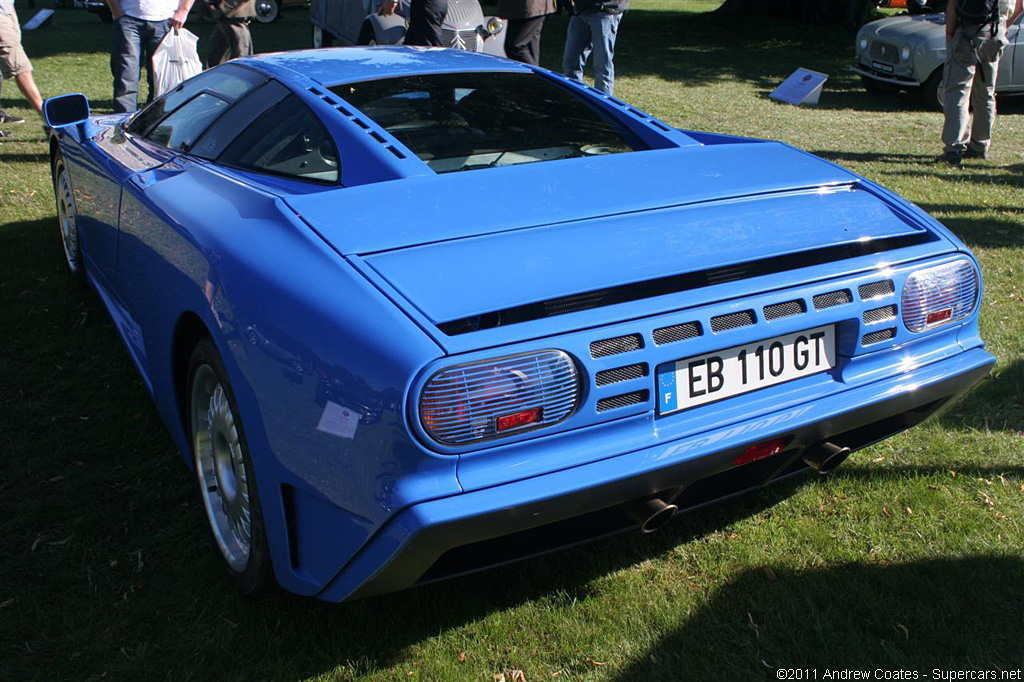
(224, 473)
(67, 217)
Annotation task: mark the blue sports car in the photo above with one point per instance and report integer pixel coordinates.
(410, 313)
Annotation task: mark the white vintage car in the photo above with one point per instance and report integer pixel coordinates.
(356, 22)
(908, 53)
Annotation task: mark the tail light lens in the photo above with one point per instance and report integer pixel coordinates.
(502, 397)
(940, 295)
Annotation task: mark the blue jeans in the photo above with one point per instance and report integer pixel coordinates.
(134, 40)
(592, 32)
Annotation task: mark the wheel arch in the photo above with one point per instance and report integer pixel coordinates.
(188, 332)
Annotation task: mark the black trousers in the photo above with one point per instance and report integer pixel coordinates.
(425, 19)
(522, 39)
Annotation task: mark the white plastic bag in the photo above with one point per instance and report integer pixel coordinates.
(176, 59)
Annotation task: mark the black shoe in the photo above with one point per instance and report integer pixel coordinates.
(4, 134)
(952, 158)
(973, 153)
(6, 118)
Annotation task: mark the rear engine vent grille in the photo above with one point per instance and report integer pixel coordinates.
(787, 309)
(614, 376)
(832, 299)
(572, 304)
(620, 344)
(879, 336)
(678, 332)
(624, 400)
(879, 314)
(875, 290)
(732, 321)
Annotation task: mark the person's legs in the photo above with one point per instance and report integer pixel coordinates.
(958, 76)
(577, 47)
(14, 63)
(522, 39)
(27, 85)
(242, 45)
(983, 102)
(604, 28)
(425, 19)
(220, 47)
(126, 63)
(154, 32)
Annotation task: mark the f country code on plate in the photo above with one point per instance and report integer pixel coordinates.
(705, 378)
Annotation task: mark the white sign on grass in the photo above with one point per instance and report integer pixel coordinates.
(803, 87)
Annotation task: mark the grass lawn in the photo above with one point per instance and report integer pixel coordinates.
(909, 558)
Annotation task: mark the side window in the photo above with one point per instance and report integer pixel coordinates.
(228, 81)
(286, 140)
(180, 130)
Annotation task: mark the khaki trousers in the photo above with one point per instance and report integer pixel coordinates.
(972, 64)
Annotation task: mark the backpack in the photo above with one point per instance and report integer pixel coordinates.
(977, 11)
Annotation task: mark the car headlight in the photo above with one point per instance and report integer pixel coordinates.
(505, 396)
(493, 26)
(939, 295)
(904, 53)
(863, 44)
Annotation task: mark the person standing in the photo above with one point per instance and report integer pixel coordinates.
(425, 19)
(139, 26)
(525, 23)
(593, 27)
(230, 38)
(975, 39)
(14, 63)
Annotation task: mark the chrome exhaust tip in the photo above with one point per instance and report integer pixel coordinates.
(651, 513)
(825, 457)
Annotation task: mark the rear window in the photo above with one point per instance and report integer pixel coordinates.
(468, 121)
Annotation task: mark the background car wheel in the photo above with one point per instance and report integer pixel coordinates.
(367, 36)
(67, 218)
(224, 474)
(877, 87)
(933, 91)
(267, 11)
(322, 38)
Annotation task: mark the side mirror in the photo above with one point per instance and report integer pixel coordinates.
(66, 110)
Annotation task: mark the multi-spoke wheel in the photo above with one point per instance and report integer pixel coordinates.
(67, 217)
(224, 472)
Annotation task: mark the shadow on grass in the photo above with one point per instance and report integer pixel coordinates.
(945, 613)
(997, 403)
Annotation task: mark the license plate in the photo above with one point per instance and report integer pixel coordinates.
(883, 67)
(706, 378)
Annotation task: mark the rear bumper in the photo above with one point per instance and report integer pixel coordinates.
(422, 542)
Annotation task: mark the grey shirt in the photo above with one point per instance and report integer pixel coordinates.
(6, 6)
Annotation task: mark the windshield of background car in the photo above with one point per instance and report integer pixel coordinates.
(467, 121)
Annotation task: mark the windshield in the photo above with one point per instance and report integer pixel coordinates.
(467, 121)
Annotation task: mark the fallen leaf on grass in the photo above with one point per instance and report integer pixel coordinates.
(886, 512)
(516, 676)
(462, 656)
(593, 662)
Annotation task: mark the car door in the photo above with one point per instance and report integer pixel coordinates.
(100, 170)
(149, 239)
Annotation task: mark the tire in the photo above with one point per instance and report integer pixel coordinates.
(67, 218)
(321, 38)
(224, 474)
(268, 11)
(877, 87)
(932, 92)
(367, 36)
